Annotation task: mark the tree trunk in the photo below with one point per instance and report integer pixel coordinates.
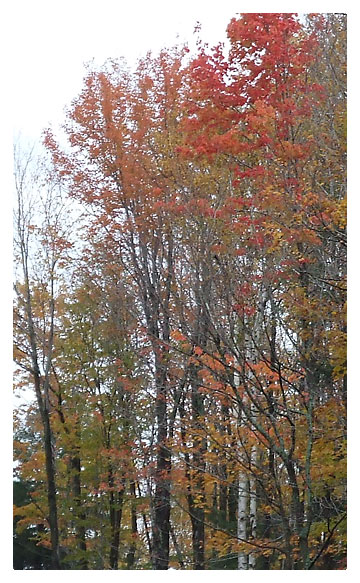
(252, 506)
(177, 548)
(130, 558)
(156, 305)
(51, 494)
(44, 409)
(161, 524)
(75, 464)
(243, 499)
(116, 504)
(197, 510)
(195, 484)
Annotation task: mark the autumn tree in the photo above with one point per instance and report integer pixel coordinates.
(41, 245)
(257, 109)
(194, 359)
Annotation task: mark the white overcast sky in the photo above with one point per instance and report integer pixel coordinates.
(54, 39)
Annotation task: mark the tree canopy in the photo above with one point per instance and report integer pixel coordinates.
(180, 311)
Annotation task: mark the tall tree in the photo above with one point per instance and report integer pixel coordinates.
(39, 248)
(193, 360)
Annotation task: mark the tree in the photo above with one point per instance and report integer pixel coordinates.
(35, 310)
(194, 362)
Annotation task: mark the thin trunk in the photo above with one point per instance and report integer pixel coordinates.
(242, 496)
(223, 474)
(223, 497)
(232, 505)
(199, 443)
(44, 409)
(243, 499)
(161, 502)
(75, 469)
(147, 530)
(51, 492)
(252, 506)
(116, 500)
(194, 485)
(297, 514)
(75, 464)
(177, 548)
(156, 306)
(197, 511)
(247, 502)
(130, 559)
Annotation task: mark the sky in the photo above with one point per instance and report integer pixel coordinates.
(44, 45)
(53, 39)
(56, 42)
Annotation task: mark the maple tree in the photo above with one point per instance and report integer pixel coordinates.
(192, 402)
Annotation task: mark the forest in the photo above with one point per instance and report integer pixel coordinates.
(180, 310)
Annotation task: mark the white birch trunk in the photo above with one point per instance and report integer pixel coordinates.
(243, 498)
(252, 347)
(247, 499)
(252, 506)
(243, 502)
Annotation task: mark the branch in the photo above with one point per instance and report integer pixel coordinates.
(327, 542)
